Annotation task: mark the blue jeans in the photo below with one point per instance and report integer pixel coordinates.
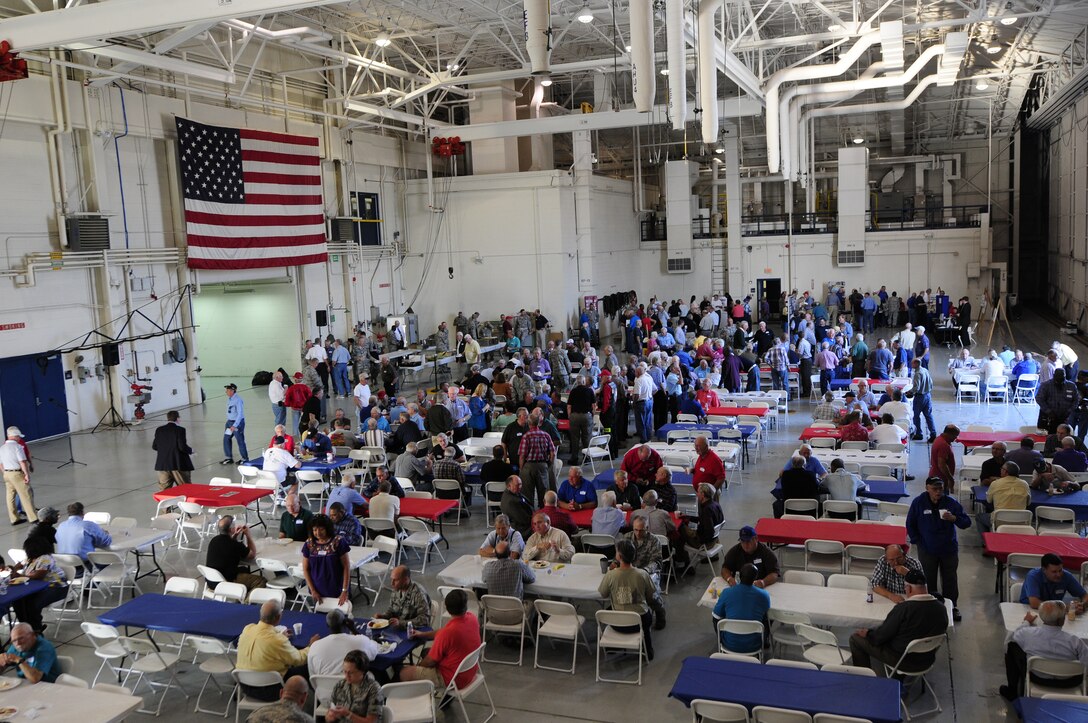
(296, 418)
(228, 440)
(923, 408)
(644, 420)
(779, 378)
(867, 318)
(340, 378)
(279, 414)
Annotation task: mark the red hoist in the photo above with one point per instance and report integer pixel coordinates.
(11, 66)
(447, 147)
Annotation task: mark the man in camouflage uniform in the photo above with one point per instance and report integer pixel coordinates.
(560, 364)
(460, 323)
(442, 346)
(474, 326)
(523, 328)
(361, 354)
(409, 602)
(522, 383)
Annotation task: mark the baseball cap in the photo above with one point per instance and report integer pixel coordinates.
(849, 394)
(279, 440)
(915, 577)
(1040, 466)
(15, 432)
(747, 533)
(233, 387)
(298, 375)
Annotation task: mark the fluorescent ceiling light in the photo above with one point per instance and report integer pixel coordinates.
(719, 150)
(383, 40)
(452, 67)
(858, 141)
(1008, 21)
(836, 28)
(546, 81)
(585, 15)
(627, 48)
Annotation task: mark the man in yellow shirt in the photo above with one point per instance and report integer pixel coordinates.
(1007, 492)
(262, 648)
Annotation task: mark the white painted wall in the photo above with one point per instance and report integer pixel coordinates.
(1068, 246)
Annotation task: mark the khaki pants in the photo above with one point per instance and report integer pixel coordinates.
(250, 580)
(171, 478)
(16, 483)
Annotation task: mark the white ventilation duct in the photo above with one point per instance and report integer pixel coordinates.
(677, 64)
(538, 35)
(643, 82)
(789, 149)
(708, 68)
(864, 108)
(808, 72)
(790, 107)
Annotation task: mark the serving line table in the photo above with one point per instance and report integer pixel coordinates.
(1072, 550)
(796, 532)
(141, 542)
(985, 439)
(52, 703)
(811, 691)
(557, 580)
(1037, 710)
(225, 621)
(895, 460)
(1076, 501)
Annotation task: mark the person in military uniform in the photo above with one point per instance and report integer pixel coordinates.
(460, 323)
(524, 329)
(560, 364)
(474, 326)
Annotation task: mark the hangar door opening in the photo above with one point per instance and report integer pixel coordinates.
(247, 326)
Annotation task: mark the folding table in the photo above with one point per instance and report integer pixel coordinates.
(796, 532)
(1076, 501)
(1037, 710)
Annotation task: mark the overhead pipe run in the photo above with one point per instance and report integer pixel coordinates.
(808, 72)
(644, 84)
(708, 68)
(538, 35)
(677, 64)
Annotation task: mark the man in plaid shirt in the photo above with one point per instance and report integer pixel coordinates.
(346, 526)
(779, 362)
(535, 457)
(890, 573)
(826, 411)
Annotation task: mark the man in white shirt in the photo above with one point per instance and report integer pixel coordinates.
(276, 394)
(278, 460)
(384, 506)
(17, 476)
(362, 398)
(896, 407)
(644, 404)
(906, 340)
(993, 366)
(1047, 641)
(887, 432)
(326, 656)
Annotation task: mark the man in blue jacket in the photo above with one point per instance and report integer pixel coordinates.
(931, 526)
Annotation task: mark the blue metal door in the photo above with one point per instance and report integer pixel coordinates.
(32, 395)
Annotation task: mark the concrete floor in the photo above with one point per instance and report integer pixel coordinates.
(119, 478)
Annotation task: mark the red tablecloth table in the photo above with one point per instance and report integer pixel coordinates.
(1072, 550)
(584, 518)
(810, 432)
(430, 510)
(985, 439)
(214, 495)
(736, 411)
(796, 532)
(563, 425)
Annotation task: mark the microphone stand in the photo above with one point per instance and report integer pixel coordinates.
(71, 455)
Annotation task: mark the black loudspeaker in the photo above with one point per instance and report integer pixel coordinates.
(111, 355)
(322, 317)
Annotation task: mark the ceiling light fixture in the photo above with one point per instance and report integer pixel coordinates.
(719, 151)
(664, 71)
(993, 49)
(982, 84)
(836, 28)
(585, 15)
(1008, 21)
(452, 67)
(383, 40)
(627, 48)
(545, 81)
(858, 141)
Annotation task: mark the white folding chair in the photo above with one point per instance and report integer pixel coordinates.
(799, 506)
(801, 577)
(849, 670)
(597, 449)
(230, 592)
(862, 559)
(1051, 519)
(849, 582)
(558, 621)
(851, 444)
(770, 714)
(1039, 667)
(783, 633)
(840, 508)
(261, 595)
(472, 660)
(377, 568)
(740, 627)
(411, 702)
(196, 518)
(714, 711)
(182, 586)
(106, 648)
(99, 518)
(323, 686)
(822, 647)
(504, 615)
(212, 577)
(969, 387)
(218, 661)
(707, 551)
(420, 536)
(109, 570)
(450, 489)
(253, 679)
(799, 664)
(919, 647)
(148, 660)
(609, 637)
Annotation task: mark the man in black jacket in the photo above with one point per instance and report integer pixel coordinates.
(919, 616)
(517, 507)
(963, 315)
(172, 460)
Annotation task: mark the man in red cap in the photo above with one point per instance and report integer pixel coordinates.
(295, 397)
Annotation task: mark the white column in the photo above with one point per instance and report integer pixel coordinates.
(492, 104)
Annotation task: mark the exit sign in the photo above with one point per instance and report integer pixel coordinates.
(15, 325)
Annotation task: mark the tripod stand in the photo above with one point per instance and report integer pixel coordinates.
(71, 455)
(111, 417)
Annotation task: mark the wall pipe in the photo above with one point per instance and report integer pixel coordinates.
(54, 151)
(120, 175)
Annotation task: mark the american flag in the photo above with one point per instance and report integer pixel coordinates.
(252, 198)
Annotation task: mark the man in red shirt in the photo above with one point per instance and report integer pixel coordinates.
(559, 517)
(852, 431)
(641, 464)
(708, 467)
(707, 396)
(942, 461)
(294, 398)
(452, 644)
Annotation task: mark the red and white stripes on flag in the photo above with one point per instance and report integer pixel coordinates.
(252, 198)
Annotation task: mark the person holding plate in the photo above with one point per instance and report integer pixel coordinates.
(409, 603)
